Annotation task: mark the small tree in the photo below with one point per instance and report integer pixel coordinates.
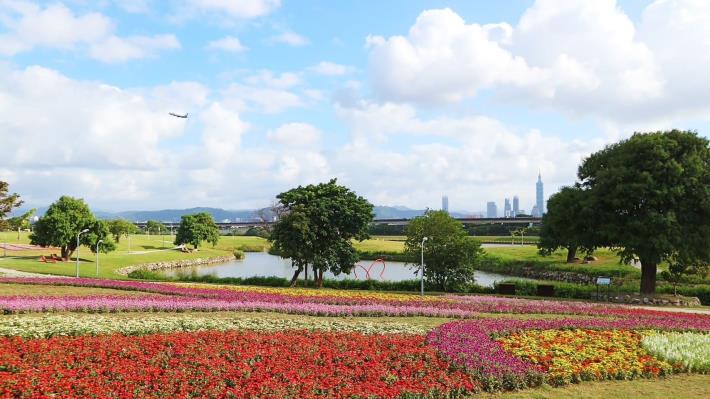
(8, 202)
(450, 255)
(317, 227)
(61, 223)
(155, 227)
(679, 268)
(21, 222)
(567, 224)
(100, 230)
(651, 198)
(196, 228)
(121, 227)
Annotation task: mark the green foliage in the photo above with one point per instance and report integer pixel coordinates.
(21, 222)
(61, 223)
(449, 255)
(196, 228)
(318, 226)
(257, 232)
(100, 230)
(679, 268)
(567, 224)
(651, 198)
(155, 227)
(7, 202)
(121, 227)
(238, 254)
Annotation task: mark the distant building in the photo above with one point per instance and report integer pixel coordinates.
(445, 204)
(516, 206)
(539, 197)
(535, 212)
(507, 209)
(491, 210)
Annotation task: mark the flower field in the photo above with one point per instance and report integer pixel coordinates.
(181, 340)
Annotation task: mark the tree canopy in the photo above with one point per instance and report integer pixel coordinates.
(450, 256)
(62, 222)
(196, 228)
(121, 227)
(155, 227)
(8, 202)
(651, 196)
(317, 226)
(568, 223)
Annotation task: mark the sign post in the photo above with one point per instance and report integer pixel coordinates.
(603, 281)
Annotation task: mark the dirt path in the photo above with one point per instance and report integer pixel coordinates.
(16, 273)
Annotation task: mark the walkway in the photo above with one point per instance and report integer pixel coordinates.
(16, 273)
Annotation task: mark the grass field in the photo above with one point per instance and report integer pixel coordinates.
(143, 249)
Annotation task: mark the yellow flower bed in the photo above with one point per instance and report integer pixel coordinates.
(567, 356)
(323, 292)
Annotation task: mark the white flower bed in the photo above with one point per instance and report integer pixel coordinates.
(690, 349)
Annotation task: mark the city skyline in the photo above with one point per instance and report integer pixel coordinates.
(401, 102)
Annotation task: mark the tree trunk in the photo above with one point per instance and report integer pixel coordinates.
(66, 253)
(648, 277)
(305, 283)
(319, 282)
(571, 253)
(294, 279)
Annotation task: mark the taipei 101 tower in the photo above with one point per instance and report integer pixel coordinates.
(539, 201)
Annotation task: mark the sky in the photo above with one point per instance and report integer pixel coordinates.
(402, 101)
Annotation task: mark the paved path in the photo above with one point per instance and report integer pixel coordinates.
(16, 273)
(705, 311)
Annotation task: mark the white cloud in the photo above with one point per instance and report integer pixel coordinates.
(115, 49)
(267, 78)
(327, 68)
(229, 44)
(223, 130)
(242, 9)
(290, 38)
(579, 57)
(295, 134)
(55, 26)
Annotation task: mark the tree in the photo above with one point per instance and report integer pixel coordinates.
(101, 230)
(449, 255)
(61, 223)
(196, 228)
(7, 202)
(651, 198)
(121, 227)
(155, 227)
(21, 222)
(317, 226)
(567, 224)
(679, 268)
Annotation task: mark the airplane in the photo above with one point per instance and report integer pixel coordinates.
(178, 115)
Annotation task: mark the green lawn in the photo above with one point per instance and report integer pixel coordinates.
(143, 249)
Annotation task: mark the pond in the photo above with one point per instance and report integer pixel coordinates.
(266, 265)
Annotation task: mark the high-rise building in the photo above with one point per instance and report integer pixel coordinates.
(516, 206)
(491, 210)
(507, 210)
(445, 204)
(539, 198)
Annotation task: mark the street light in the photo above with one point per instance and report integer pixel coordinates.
(77, 250)
(97, 257)
(421, 269)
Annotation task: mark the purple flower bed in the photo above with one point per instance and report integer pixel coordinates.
(471, 344)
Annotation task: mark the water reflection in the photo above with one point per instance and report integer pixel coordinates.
(263, 264)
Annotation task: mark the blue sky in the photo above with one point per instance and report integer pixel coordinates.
(403, 101)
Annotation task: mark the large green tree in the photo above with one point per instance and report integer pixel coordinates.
(100, 230)
(568, 223)
(450, 256)
(317, 227)
(61, 223)
(8, 202)
(196, 228)
(651, 196)
(121, 227)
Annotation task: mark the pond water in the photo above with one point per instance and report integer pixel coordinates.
(262, 264)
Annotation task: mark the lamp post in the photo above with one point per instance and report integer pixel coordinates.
(129, 243)
(77, 249)
(97, 257)
(422, 266)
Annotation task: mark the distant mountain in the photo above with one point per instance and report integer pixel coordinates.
(219, 214)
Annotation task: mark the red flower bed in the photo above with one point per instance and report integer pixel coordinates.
(234, 364)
